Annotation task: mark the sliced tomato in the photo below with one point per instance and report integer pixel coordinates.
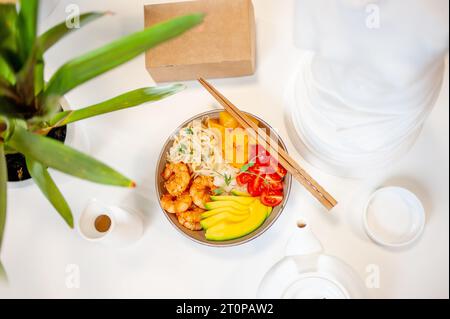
(244, 178)
(263, 158)
(252, 150)
(275, 177)
(271, 198)
(274, 182)
(256, 186)
(281, 171)
(257, 169)
(271, 168)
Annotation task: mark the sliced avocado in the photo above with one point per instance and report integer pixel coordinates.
(225, 204)
(222, 217)
(235, 192)
(213, 212)
(224, 210)
(267, 208)
(237, 199)
(227, 231)
(269, 211)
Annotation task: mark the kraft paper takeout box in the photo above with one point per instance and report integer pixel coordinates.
(223, 46)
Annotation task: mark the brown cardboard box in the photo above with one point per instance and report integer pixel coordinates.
(223, 46)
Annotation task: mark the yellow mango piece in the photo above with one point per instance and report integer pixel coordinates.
(251, 118)
(228, 153)
(227, 120)
(215, 125)
(236, 141)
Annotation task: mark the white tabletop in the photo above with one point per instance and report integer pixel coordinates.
(39, 250)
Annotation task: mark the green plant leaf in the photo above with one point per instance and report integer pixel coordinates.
(39, 81)
(8, 26)
(99, 61)
(53, 35)
(12, 58)
(120, 102)
(6, 108)
(3, 277)
(31, 72)
(6, 72)
(49, 189)
(3, 191)
(9, 60)
(7, 90)
(27, 24)
(9, 109)
(30, 75)
(63, 158)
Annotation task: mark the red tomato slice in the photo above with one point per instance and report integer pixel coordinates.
(244, 178)
(272, 167)
(271, 198)
(257, 169)
(256, 186)
(263, 157)
(275, 177)
(261, 170)
(281, 171)
(274, 182)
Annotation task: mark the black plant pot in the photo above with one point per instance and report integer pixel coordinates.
(17, 167)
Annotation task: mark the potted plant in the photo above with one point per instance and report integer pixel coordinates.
(31, 118)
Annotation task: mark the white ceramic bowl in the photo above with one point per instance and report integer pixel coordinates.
(394, 217)
(199, 236)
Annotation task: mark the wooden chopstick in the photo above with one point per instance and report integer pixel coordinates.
(284, 158)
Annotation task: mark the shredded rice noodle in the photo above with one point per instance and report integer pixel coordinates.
(199, 147)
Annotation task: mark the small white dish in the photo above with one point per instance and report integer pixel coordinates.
(124, 229)
(394, 217)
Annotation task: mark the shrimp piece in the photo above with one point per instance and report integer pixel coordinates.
(201, 190)
(177, 178)
(175, 205)
(191, 219)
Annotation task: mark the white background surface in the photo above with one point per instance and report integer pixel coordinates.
(38, 246)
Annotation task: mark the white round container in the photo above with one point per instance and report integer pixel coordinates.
(394, 217)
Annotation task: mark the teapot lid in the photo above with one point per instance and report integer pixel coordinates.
(307, 273)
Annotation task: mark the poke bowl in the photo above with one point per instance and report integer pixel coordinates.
(219, 192)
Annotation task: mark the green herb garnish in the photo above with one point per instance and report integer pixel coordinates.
(227, 179)
(182, 149)
(246, 167)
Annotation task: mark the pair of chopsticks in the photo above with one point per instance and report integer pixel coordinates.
(283, 157)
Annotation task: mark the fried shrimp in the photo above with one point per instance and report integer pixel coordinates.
(201, 190)
(191, 219)
(177, 178)
(175, 205)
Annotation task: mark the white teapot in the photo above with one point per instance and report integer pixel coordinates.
(307, 273)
